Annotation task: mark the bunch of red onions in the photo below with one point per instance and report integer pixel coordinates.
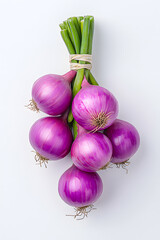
(78, 106)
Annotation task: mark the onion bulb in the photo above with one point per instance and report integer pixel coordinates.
(94, 108)
(80, 189)
(91, 151)
(51, 138)
(125, 140)
(52, 93)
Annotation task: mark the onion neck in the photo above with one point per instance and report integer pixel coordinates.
(65, 115)
(69, 76)
(85, 83)
(80, 130)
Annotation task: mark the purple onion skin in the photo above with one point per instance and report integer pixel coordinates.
(52, 93)
(125, 140)
(51, 137)
(78, 188)
(89, 102)
(91, 151)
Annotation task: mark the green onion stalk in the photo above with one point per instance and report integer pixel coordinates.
(77, 34)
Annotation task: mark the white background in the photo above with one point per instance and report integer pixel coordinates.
(126, 53)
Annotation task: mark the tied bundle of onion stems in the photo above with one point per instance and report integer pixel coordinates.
(77, 33)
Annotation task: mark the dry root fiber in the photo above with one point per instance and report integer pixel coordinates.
(99, 121)
(123, 165)
(82, 212)
(40, 160)
(108, 165)
(32, 106)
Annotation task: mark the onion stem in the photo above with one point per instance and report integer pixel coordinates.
(75, 35)
(91, 31)
(75, 129)
(92, 79)
(76, 23)
(69, 31)
(88, 74)
(70, 115)
(66, 39)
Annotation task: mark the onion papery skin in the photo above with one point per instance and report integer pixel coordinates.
(91, 151)
(78, 188)
(52, 93)
(51, 137)
(93, 102)
(125, 140)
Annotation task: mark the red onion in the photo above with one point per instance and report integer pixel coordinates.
(51, 138)
(125, 140)
(80, 189)
(52, 93)
(91, 151)
(94, 108)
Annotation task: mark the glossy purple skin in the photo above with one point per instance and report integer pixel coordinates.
(52, 94)
(89, 102)
(91, 151)
(78, 188)
(51, 137)
(125, 140)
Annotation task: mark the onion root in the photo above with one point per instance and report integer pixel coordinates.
(40, 160)
(123, 165)
(108, 165)
(32, 106)
(82, 212)
(100, 120)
